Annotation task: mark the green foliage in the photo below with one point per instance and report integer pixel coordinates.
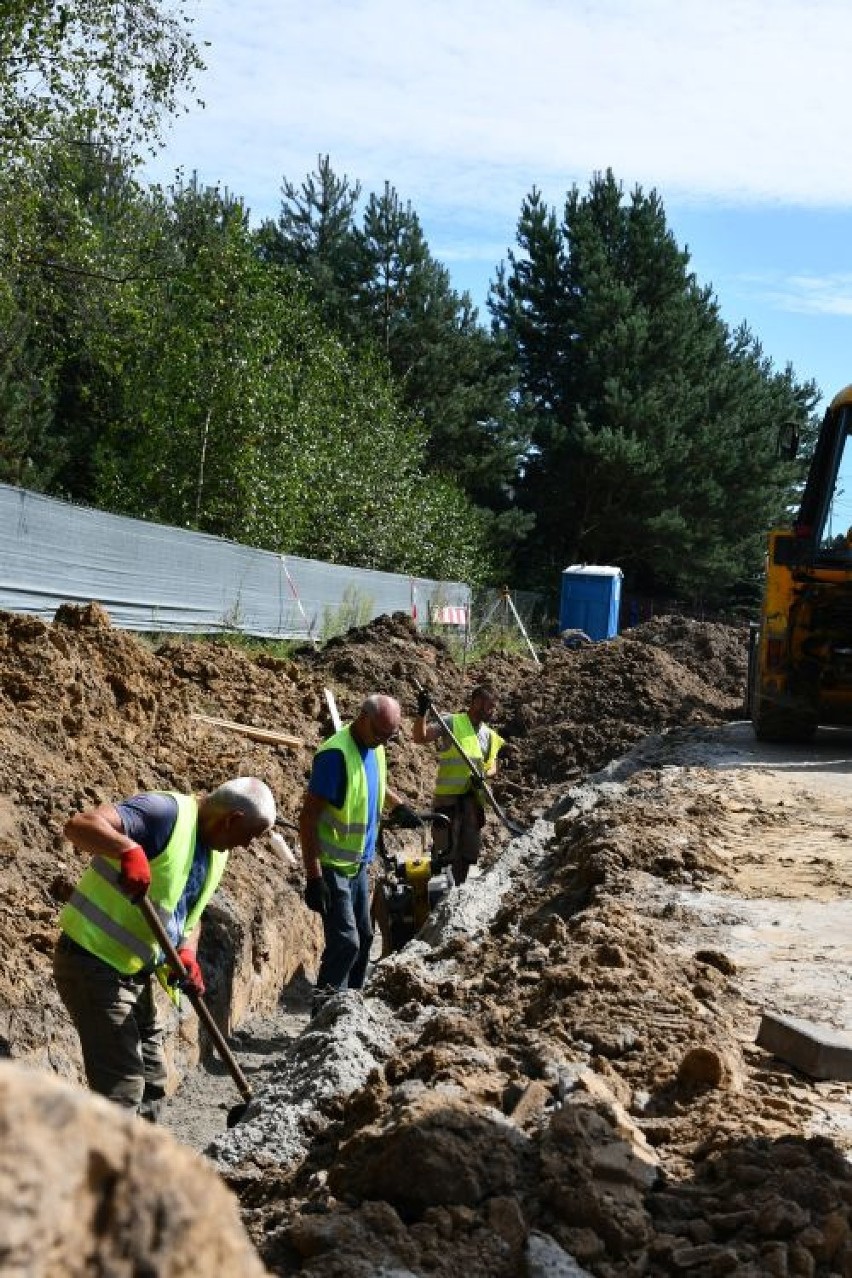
(72, 75)
(354, 609)
(316, 234)
(252, 646)
(242, 415)
(382, 289)
(654, 427)
(94, 244)
(112, 68)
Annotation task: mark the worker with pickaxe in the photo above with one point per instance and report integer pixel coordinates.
(164, 852)
(467, 756)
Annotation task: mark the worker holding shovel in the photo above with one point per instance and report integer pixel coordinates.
(338, 830)
(467, 755)
(163, 853)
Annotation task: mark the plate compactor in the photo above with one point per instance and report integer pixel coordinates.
(408, 887)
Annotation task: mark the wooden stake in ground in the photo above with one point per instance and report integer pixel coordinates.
(267, 735)
(333, 711)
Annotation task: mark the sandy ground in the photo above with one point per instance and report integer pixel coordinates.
(785, 917)
(781, 910)
(783, 838)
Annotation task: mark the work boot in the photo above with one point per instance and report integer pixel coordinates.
(321, 997)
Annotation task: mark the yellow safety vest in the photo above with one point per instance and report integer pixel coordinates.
(453, 773)
(342, 831)
(104, 921)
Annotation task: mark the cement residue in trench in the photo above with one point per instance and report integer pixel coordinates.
(353, 1034)
(332, 1057)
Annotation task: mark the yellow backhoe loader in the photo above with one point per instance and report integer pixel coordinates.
(800, 652)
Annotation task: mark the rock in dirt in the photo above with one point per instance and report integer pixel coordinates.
(463, 1152)
(88, 1190)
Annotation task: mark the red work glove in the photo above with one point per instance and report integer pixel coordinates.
(194, 976)
(135, 872)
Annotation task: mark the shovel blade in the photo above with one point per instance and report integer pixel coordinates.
(236, 1114)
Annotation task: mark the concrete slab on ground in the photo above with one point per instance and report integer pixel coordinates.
(816, 1050)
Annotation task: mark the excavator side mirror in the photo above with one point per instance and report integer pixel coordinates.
(787, 443)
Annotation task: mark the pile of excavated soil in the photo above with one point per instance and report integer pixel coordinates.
(586, 706)
(91, 713)
(715, 652)
(563, 1074)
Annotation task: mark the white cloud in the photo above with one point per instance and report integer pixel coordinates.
(465, 105)
(804, 294)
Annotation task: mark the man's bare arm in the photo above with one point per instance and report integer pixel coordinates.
(98, 831)
(309, 816)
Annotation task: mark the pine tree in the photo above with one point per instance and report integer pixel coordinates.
(317, 234)
(653, 444)
(382, 289)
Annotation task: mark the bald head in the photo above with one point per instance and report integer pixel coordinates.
(236, 812)
(377, 720)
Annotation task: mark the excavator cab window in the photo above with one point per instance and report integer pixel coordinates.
(835, 532)
(825, 513)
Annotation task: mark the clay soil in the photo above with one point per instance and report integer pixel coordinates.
(599, 976)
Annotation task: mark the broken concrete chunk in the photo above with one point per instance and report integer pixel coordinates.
(816, 1050)
(546, 1259)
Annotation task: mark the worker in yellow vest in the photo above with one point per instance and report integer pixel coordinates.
(338, 832)
(172, 848)
(457, 792)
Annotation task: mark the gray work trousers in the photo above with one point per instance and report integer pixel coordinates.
(120, 1033)
(348, 931)
(463, 837)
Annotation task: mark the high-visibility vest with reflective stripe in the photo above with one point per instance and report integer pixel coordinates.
(342, 832)
(453, 773)
(102, 919)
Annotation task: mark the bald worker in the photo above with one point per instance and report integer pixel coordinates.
(338, 831)
(172, 848)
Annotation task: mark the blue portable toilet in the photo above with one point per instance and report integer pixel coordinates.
(590, 599)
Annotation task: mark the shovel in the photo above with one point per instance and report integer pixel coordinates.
(333, 711)
(511, 826)
(203, 1012)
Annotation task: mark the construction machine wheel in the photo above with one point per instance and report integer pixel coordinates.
(771, 723)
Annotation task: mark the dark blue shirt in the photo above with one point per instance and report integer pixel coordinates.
(150, 820)
(328, 781)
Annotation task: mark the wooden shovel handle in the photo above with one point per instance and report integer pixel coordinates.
(203, 1012)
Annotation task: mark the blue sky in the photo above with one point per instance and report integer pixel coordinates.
(736, 112)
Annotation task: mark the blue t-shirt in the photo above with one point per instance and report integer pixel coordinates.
(328, 781)
(150, 820)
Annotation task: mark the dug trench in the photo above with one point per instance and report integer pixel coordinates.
(560, 1074)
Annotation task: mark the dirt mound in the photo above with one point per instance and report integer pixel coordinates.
(89, 714)
(387, 655)
(588, 705)
(123, 1197)
(715, 652)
